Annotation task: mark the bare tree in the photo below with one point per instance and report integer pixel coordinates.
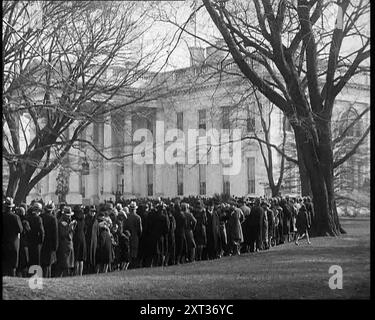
(79, 64)
(305, 67)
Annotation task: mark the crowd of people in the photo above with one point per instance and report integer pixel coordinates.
(68, 241)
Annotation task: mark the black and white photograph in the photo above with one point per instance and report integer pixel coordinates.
(198, 151)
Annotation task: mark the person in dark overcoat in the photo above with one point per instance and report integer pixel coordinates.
(36, 234)
(134, 224)
(104, 251)
(190, 224)
(255, 225)
(223, 218)
(65, 249)
(179, 233)
(23, 262)
(91, 236)
(200, 234)
(10, 242)
(79, 240)
(287, 218)
(157, 227)
(213, 232)
(171, 255)
(143, 211)
(265, 231)
(50, 243)
(303, 224)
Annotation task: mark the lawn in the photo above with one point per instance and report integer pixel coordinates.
(284, 272)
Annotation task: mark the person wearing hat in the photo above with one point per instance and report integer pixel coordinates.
(65, 250)
(200, 233)
(303, 224)
(265, 231)
(49, 246)
(91, 236)
(213, 231)
(190, 224)
(79, 240)
(134, 225)
(255, 225)
(12, 228)
(23, 262)
(234, 231)
(36, 234)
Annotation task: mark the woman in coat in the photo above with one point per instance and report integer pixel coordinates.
(200, 234)
(65, 250)
(49, 247)
(104, 251)
(36, 234)
(79, 241)
(303, 224)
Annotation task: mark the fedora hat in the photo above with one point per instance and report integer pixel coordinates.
(9, 202)
(68, 211)
(37, 206)
(133, 205)
(50, 206)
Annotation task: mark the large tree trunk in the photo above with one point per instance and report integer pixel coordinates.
(326, 220)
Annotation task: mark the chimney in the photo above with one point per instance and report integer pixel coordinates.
(196, 56)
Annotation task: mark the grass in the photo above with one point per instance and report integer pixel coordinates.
(284, 272)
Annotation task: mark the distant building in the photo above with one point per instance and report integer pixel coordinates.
(196, 99)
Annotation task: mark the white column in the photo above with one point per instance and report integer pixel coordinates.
(107, 165)
(128, 161)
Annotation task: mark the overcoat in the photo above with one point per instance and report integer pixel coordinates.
(35, 238)
(65, 250)
(50, 243)
(12, 228)
(134, 224)
(234, 226)
(200, 233)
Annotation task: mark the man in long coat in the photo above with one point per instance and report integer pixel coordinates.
(158, 227)
(50, 243)
(12, 228)
(255, 224)
(36, 234)
(134, 224)
(213, 232)
(190, 224)
(179, 233)
(235, 235)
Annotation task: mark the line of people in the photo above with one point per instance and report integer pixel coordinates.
(84, 240)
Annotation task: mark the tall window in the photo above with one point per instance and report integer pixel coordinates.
(82, 186)
(150, 125)
(180, 121)
(180, 179)
(202, 179)
(150, 179)
(250, 175)
(202, 119)
(250, 123)
(225, 117)
(82, 137)
(226, 185)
